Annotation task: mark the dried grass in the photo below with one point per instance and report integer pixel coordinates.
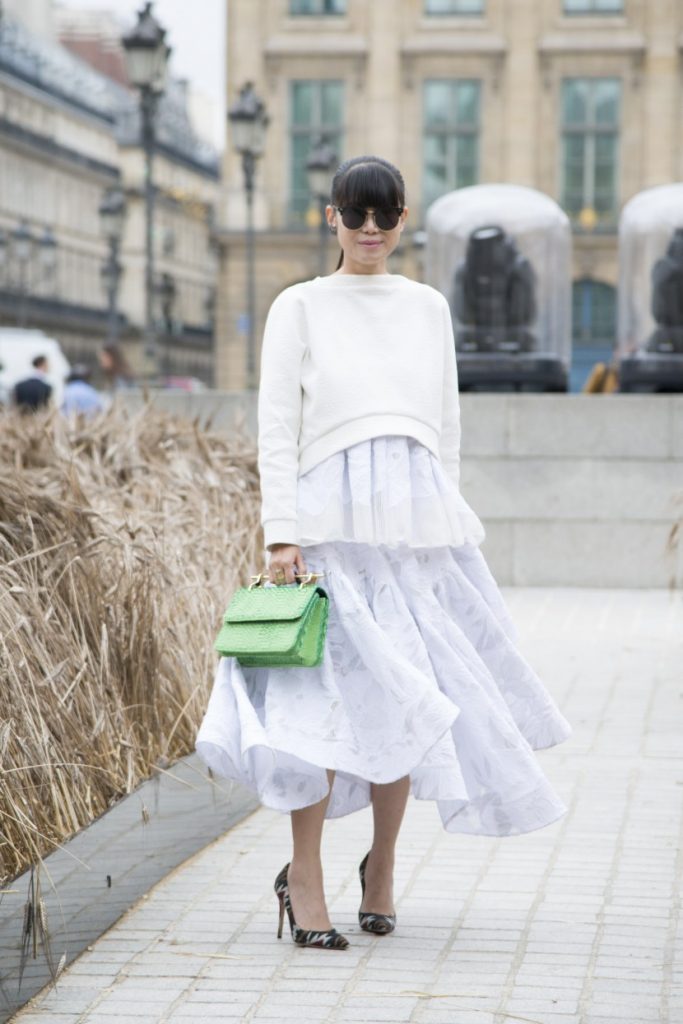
(120, 542)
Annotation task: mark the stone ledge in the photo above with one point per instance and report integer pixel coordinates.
(609, 40)
(536, 553)
(631, 427)
(474, 41)
(583, 489)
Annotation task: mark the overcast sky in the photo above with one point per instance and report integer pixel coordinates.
(196, 31)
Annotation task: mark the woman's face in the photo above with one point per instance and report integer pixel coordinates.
(365, 248)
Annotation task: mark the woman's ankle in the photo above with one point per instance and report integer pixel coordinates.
(382, 857)
(305, 870)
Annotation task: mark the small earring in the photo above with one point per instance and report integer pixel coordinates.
(333, 229)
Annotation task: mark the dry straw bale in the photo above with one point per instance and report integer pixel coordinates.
(121, 540)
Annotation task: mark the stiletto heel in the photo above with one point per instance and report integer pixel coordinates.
(282, 915)
(331, 939)
(378, 924)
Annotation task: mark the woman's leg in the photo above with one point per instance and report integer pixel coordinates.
(388, 807)
(305, 874)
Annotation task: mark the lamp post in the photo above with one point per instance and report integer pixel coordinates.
(248, 120)
(112, 212)
(319, 165)
(167, 296)
(146, 53)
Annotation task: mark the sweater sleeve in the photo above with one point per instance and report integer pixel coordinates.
(449, 446)
(279, 419)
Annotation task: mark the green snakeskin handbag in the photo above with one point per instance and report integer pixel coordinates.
(277, 626)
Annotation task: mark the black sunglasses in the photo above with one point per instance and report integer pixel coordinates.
(354, 217)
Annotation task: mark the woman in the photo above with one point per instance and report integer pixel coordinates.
(115, 368)
(421, 687)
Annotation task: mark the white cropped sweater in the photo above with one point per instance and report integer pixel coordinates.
(346, 358)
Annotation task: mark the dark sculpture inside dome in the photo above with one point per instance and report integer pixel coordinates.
(667, 299)
(494, 295)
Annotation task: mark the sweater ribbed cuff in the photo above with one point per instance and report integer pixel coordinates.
(279, 531)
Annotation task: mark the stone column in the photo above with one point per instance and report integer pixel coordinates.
(520, 93)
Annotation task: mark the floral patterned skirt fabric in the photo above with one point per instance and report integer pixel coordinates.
(421, 676)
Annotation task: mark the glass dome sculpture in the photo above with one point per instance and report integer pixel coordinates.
(501, 254)
(650, 340)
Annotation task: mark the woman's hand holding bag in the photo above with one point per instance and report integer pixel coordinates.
(286, 560)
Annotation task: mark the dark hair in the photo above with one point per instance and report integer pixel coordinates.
(119, 363)
(39, 361)
(79, 371)
(367, 181)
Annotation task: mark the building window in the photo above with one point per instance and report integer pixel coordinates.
(594, 328)
(594, 313)
(317, 7)
(593, 6)
(454, 7)
(316, 111)
(590, 147)
(451, 136)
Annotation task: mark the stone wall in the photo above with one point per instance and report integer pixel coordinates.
(576, 490)
(573, 490)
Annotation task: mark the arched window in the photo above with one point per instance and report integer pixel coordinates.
(594, 327)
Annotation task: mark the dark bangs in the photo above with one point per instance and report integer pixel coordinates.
(368, 185)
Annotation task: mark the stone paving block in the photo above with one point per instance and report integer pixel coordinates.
(131, 1018)
(212, 1011)
(271, 1011)
(68, 1000)
(392, 1014)
(618, 1015)
(194, 1018)
(122, 1010)
(40, 1018)
(456, 1017)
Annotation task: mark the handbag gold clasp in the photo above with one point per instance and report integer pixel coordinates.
(308, 578)
(305, 578)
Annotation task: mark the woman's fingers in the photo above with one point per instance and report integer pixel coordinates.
(284, 565)
(290, 573)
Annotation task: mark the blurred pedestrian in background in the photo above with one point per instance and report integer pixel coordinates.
(115, 367)
(34, 392)
(79, 394)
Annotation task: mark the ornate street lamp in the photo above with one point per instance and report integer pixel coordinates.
(19, 249)
(22, 243)
(320, 164)
(167, 296)
(249, 121)
(4, 251)
(47, 254)
(112, 212)
(146, 52)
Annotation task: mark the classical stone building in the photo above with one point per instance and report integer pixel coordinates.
(67, 133)
(579, 98)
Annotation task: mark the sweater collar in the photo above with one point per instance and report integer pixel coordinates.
(366, 280)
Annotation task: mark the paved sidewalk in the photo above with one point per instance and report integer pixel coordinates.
(578, 923)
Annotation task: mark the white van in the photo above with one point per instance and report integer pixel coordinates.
(18, 349)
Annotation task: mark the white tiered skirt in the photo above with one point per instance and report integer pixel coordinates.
(421, 675)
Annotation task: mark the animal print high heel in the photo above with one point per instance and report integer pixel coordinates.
(378, 924)
(331, 939)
